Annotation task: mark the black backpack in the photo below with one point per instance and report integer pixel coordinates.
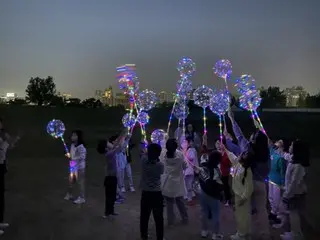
(101, 147)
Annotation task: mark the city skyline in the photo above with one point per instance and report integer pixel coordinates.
(81, 43)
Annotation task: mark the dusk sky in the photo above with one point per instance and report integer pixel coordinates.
(81, 42)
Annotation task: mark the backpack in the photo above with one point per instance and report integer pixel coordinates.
(101, 147)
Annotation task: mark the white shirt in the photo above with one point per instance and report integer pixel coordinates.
(78, 154)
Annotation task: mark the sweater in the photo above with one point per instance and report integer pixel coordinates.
(111, 159)
(244, 191)
(295, 180)
(78, 155)
(278, 168)
(191, 158)
(225, 165)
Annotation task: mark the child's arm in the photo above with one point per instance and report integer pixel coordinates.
(233, 158)
(242, 141)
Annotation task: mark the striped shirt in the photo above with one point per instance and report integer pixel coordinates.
(151, 175)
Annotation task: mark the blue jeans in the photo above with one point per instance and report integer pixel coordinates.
(210, 207)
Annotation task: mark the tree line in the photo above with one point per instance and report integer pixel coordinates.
(42, 91)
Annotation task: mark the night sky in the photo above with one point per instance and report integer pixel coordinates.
(81, 42)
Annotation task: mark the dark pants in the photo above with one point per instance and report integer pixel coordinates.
(3, 170)
(151, 202)
(110, 189)
(226, 188)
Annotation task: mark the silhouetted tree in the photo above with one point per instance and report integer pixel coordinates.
(92, 103)
(313, 101)
(40, 91)
(73, 102)
(273, 97)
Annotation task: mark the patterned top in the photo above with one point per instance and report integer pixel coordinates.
(151, 174)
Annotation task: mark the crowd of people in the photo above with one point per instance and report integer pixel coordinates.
(239, 172)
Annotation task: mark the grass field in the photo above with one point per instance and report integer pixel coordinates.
(37, 181)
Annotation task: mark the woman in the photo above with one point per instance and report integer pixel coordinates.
(191, 159)
(260, 169)
(173, 187)
(6, 142)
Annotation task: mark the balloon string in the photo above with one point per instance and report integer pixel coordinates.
(174, 105)
(65, 146)
(184, 119)
(259, 121)
(204, 122)
(220, 128)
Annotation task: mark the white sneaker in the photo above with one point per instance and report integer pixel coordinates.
(1, 232)
(217, 236)
(132, 189)
(79, 200)
(237, 236)
(4, 225)
(68, 197)
(204, 233)
(123, 190)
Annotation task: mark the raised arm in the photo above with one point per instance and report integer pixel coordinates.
(242, 141)
(233, 158)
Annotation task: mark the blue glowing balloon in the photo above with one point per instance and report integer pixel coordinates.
(202, 96)
(143, 118)
(250, 100)
(220, 102)
(146, 100)
(223, 68)
(128, 120)
(245, 83)
(184, 87)
(56, 128)
(186, 67)
(158, 136)
(181, 110)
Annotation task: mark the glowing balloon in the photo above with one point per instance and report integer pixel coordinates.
(186, 67)
(181, 111)
(158, 136)
(143, 118)
(184, 87)
(146, 100)
(245, 83)
(220, 102)
(56, 128)
(223, 68)
(250, 100)
(128, 120)
(129, 84)
(202, 96)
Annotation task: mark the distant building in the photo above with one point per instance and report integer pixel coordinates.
(166, 97)
(107, 97)
(294, 95)
(98, 94)
(121, 99)
(66, 96)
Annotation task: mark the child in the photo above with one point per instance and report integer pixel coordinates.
(276, 179)
(225, 166)
(6, 142)
(173, 187)
(242, 186)
(294, 196)
(77, 164)
(113, 147)
(211, 194)
(126, 168)
(191, 159)
(151, 197)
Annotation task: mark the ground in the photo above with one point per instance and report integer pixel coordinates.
(37, 178)
(36, 209)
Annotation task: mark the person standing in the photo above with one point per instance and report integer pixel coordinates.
(6, 142)
(151, 196)
(113, 147)
(173, 187)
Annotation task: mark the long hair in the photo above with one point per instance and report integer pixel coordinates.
(300, 153)
(154, 151)
(79, 133)
(260, 147)
(171, 146)
(214, 160)
(246, 160)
